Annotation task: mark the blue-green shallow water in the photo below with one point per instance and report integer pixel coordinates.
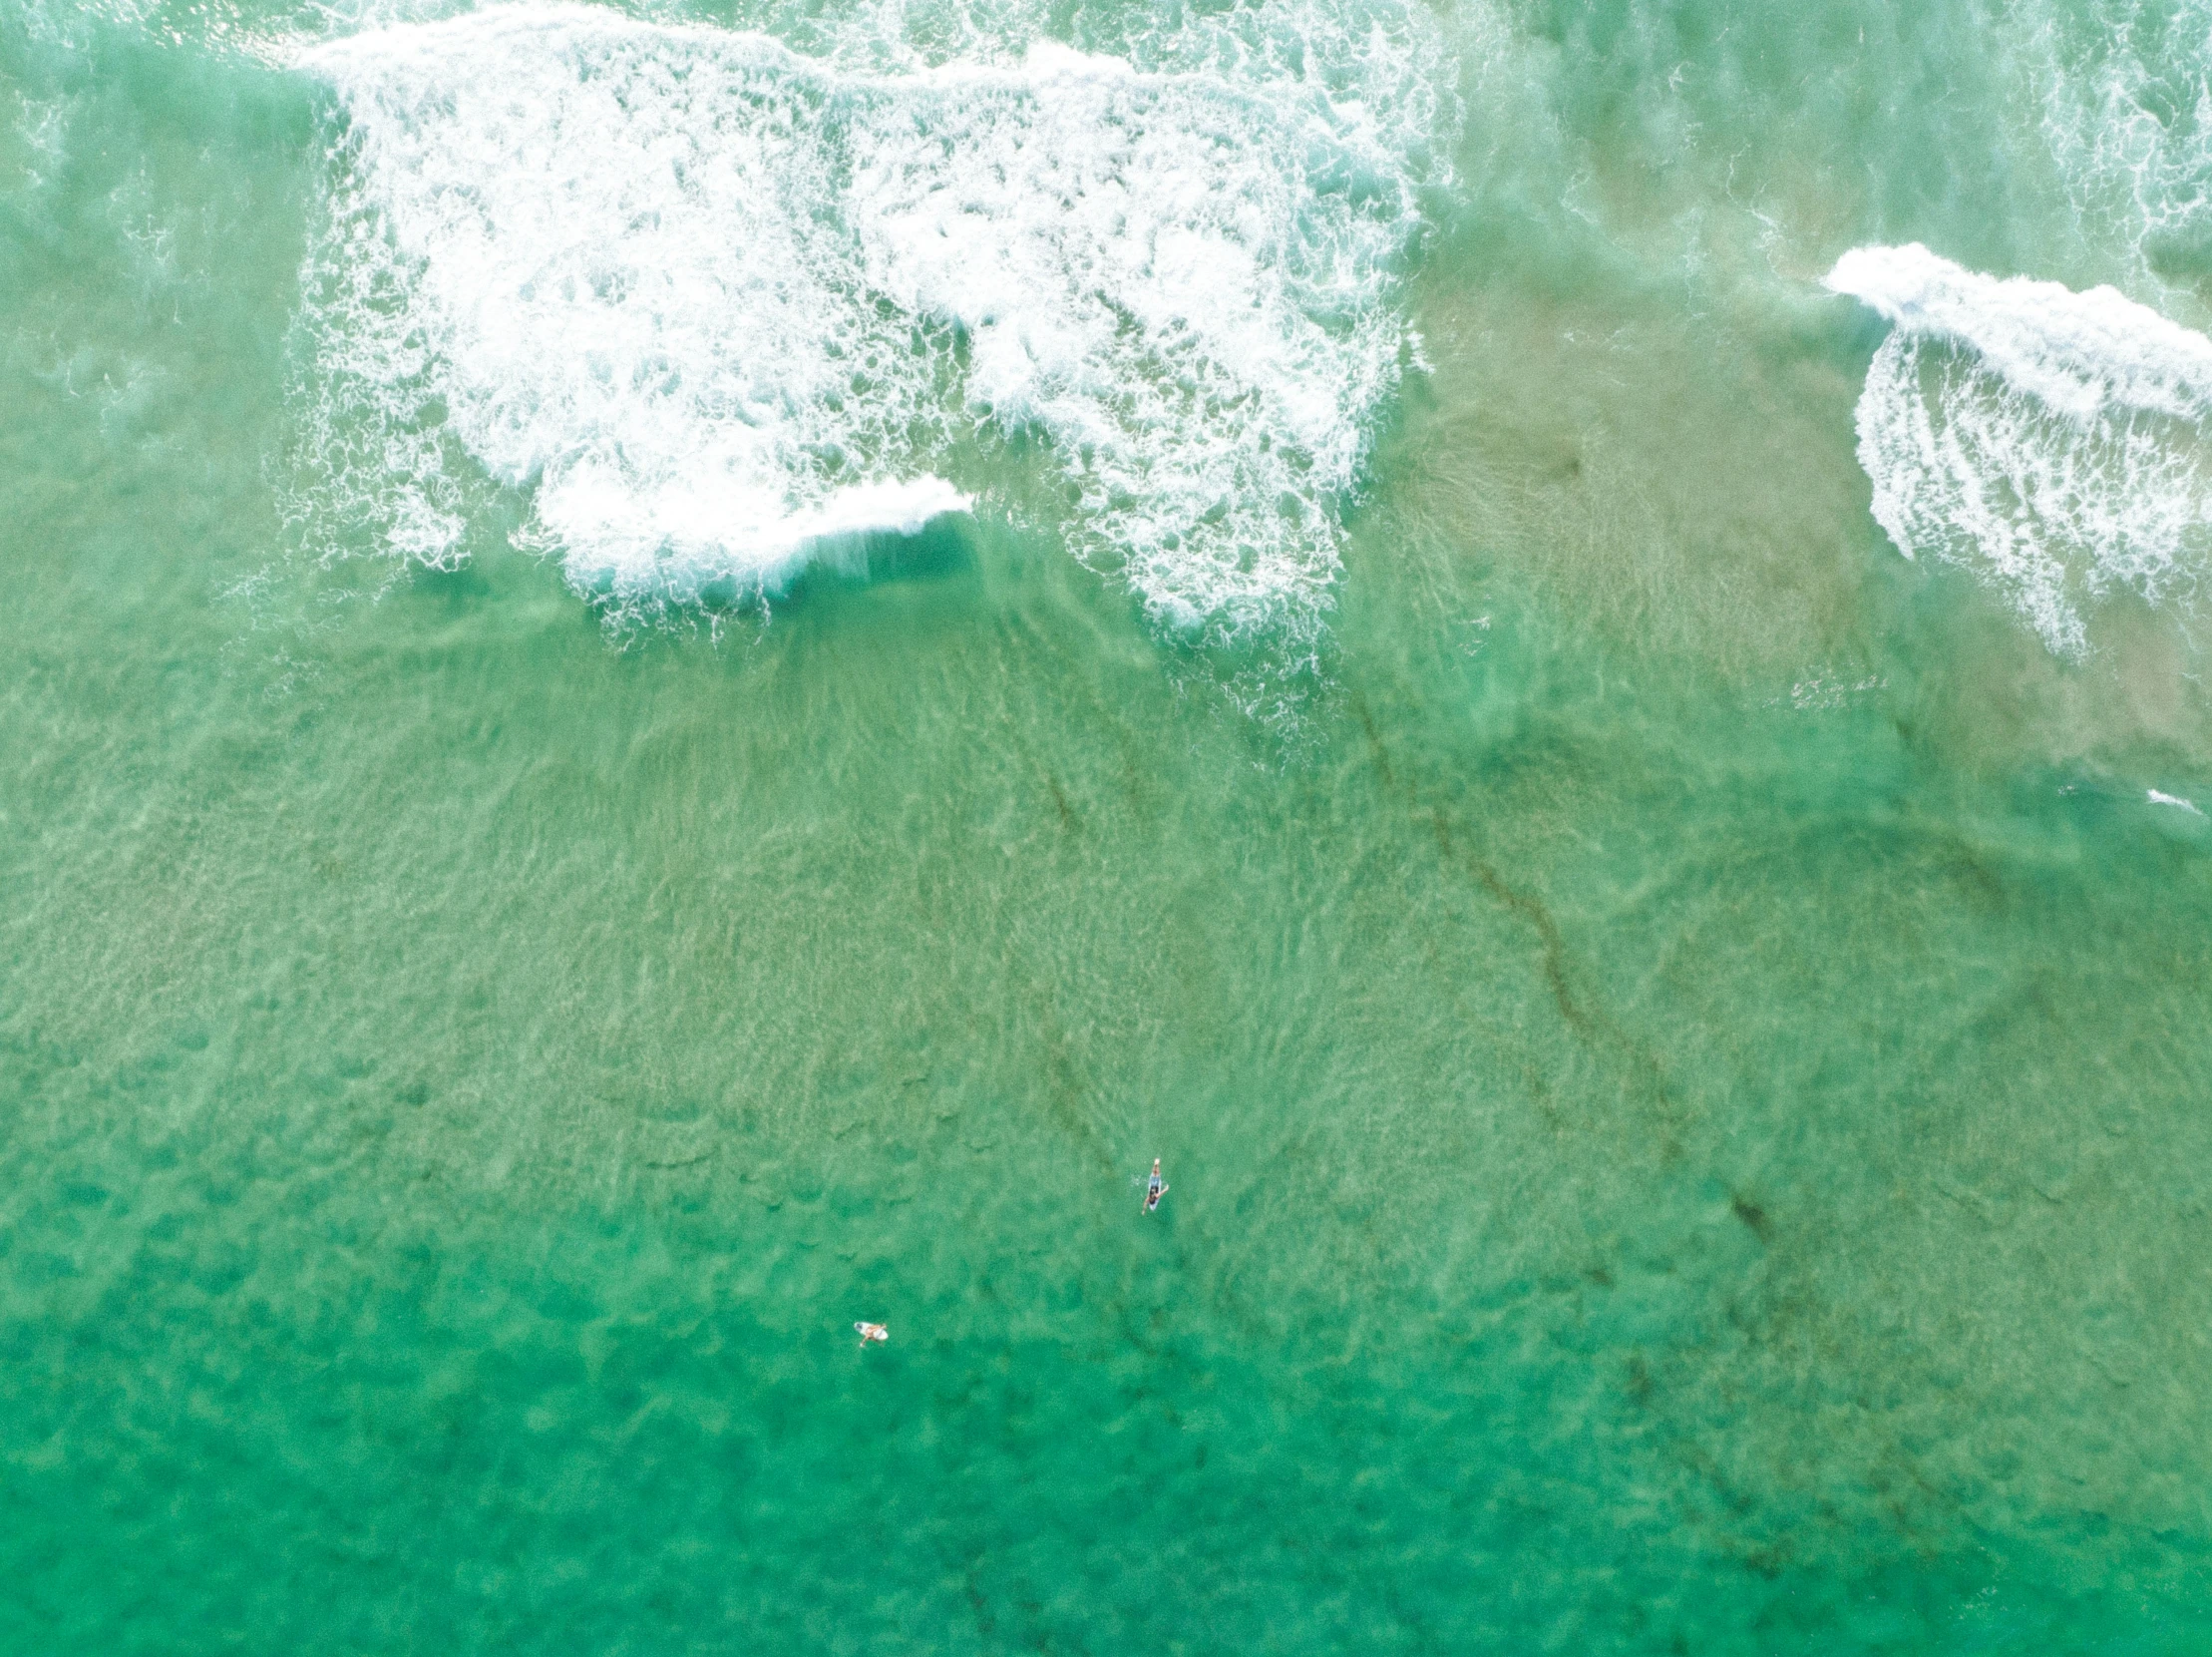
(1678, 1045)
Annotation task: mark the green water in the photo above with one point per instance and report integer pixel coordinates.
(1677, 1042)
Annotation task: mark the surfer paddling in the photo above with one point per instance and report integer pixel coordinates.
(872, 1332)
(1155, 1188)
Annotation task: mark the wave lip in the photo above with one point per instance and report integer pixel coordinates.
(715, 300)
(685, 549)
(2051, 441)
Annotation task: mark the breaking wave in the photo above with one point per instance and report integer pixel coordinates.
(714, 301)
(2052, 442)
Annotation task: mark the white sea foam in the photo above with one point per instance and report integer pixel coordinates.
(2052, 441)
(2125, 92)
(2159, 798)
(715, 300)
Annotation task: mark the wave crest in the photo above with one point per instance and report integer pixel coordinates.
(2052, 442)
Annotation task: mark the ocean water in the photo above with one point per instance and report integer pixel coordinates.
(678, 673)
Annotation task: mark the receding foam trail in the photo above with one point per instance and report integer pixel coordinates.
(717, 301)
(2125, 89)
(2052, 441)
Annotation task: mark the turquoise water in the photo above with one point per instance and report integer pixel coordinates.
(643, 725)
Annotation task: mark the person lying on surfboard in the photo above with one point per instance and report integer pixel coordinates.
(1155, 1189)
(872, 1332)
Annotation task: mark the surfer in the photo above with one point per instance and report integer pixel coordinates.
(872, 1332)
(1156, 1188)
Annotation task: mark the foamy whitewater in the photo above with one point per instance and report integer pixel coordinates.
(2125, 87)
(2054, 442)
(719, 304)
